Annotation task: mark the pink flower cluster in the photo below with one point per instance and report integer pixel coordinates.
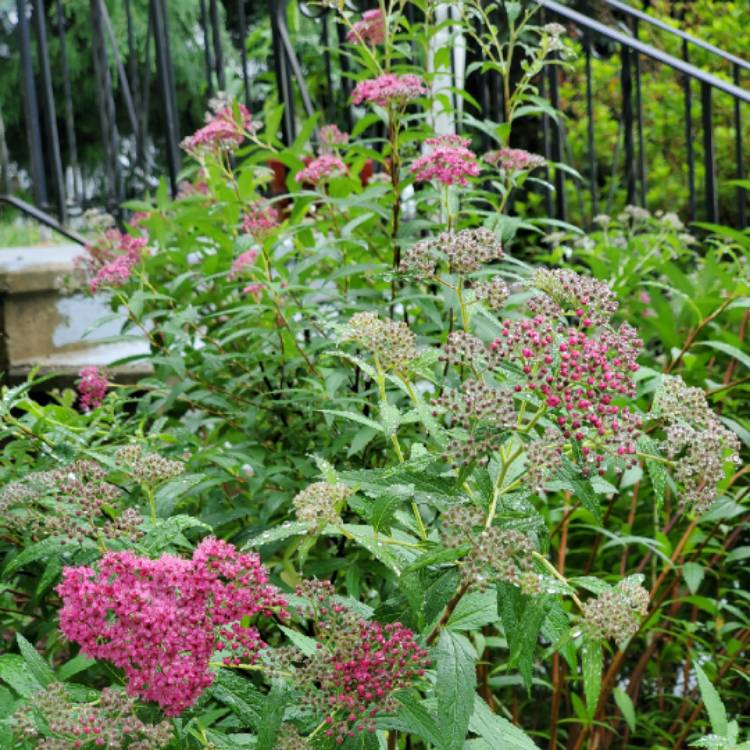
(222, 130)
(113, 258)
(241, 262)
(260, 219)
(579, 377)
(389, 88)
(370, 30)
(359, 680)
(92, 388)
(321, 168)
(161, 620)
(514, 160)
(449, 162)
(330, 138)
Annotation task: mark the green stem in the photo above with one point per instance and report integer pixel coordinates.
(556, 573)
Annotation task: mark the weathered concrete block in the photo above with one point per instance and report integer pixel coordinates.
(44, 325)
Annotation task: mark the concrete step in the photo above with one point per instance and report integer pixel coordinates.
(44, 324)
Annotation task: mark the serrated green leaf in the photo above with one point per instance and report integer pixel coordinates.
(474, 610)
(37, 551)
(77, 664)
(592, 663)
(36, 664)
(454, 688)
(693, 574)
(308, 646)
(656, 471)
(625, 704)
(273, 715)
(15, 672)
(717, 712)
(240, 695)
(417, 719)
(498, 732)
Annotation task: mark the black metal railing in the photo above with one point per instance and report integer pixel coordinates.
(631, 51)
(140, 116)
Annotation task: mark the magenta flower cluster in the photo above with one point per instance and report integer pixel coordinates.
(222, 131)
(113, 258)
(161, 620)
(385, 658)
(389, 88)
(450, 161)
(92, 388)
(579, 376)
(241, 262)
(260, 219)
(370, 30)
(323, 167)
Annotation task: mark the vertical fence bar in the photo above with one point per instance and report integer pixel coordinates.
(207, 49)
(242, 20)
(218, 52)
(31, 108)
(626, 85)
(591, 143)
(689, 135)
(70, 130)
(50, 114)
(346, 82)
(166, 84)
(639, 109)
(561, 205)
(709, 156)
(738, 152)
(106, 105)
(281, 66)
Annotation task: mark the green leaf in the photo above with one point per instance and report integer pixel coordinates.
(717, 713)
(15, 672)
(390, 418)
(38, 551)
(169, 493)
(474, 610)
(498, 732)
(273, 714)
(656, 471)
(569, 477)
(383, 511)
(454, 688)
(729, 350)
(417, 719)
(354, 417)
(237, 692)
(622, 699)
(693, 574)
(308, 646)
(74, 666)
(36, 664)
(592, 663)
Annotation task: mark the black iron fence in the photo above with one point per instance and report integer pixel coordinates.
(140, 122)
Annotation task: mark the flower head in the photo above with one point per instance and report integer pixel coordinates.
(161, 620)
(111, 259)
(450, 161)
(330, 138)
(223, 130)
(391, 341)
(389, 89)
(92, 388)
(260, 218)
(696, 441)
(241, 262)
(320, 503)
(514, 160)
(112, 721)
(322, 168)
(617, 612)
(370, 30)
(358, 665)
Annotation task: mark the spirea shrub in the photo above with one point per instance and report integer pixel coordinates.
(399, 478)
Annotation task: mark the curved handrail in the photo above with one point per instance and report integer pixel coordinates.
(646, 18)
(42, 217)
(636, 45)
